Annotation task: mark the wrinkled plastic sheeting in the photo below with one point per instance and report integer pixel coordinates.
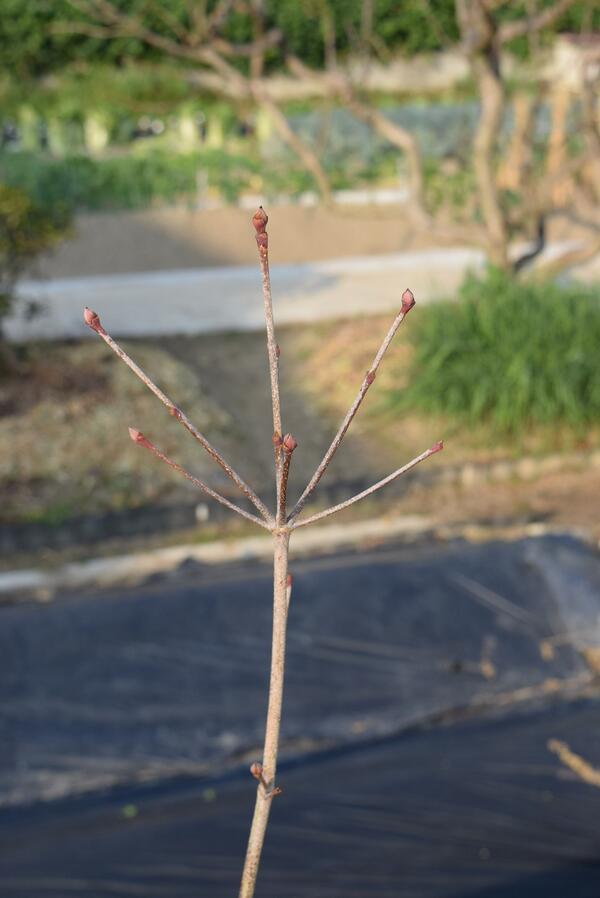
(171, 678)
(473, 810)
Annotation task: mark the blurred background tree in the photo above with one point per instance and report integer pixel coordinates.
(26, 231)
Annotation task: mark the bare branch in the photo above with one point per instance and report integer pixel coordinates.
(121, 25)
(398, 137)
(308, 158)
(271, 39)
(408, 302)
(259, 221)
(510, 30)
(141, 440)
(376, 486)
(169, 20)
(93, 321)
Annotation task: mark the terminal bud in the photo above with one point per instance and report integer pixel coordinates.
(138, 437)
(408, 301)
(259, 220)
(92, 320)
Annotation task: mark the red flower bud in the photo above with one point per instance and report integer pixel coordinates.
(259, 220)
(437, 447)
(138, 437)
(289, 442)
(408, 301)
(92, 320)
(370, 377)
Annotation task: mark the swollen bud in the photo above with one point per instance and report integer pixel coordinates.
(408, 301)
(370, 377)
(259, 220)
(138, 437)
(289, 442)
(437, 447)
(256, 770)
(92, 320)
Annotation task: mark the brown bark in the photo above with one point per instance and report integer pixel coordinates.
(557, 147)
(491, 97)
(518, 156)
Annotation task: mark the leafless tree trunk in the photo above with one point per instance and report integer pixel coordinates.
(517, 160)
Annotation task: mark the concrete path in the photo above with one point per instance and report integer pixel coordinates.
(206, 300)
(229, 298)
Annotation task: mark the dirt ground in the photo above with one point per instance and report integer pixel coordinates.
(176, 238)
(64, 448)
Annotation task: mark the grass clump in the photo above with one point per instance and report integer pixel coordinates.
(508, 354)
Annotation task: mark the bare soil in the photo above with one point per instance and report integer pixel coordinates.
(64, 448)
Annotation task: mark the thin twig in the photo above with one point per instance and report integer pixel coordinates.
(93, 321)
(408, 302)
(376, 486)
(259, 221)
(141, 440)
(288, 445)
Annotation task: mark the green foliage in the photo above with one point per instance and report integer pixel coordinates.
(448, 186)
(125, 182)
(163, 177)
(509, 354)
(26, 230)
(38, 36)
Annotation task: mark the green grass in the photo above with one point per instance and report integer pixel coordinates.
(511, 355)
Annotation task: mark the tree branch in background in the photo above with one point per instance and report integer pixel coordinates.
(531, 24)
(404, 141)
(308, 158)
(208, 50)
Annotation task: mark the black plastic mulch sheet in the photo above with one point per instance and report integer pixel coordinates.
(476, 809)
(172, 677)
(168, 680)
